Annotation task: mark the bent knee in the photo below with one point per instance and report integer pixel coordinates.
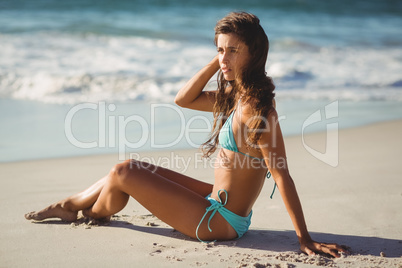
(121, 171)
(129, 169)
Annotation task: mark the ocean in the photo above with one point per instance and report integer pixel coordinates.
(90, 77)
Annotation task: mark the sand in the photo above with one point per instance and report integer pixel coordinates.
(357, 203)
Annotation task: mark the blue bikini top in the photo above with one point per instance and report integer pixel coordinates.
(227, 141)
(226, 137)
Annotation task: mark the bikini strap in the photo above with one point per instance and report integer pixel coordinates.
(269, 175)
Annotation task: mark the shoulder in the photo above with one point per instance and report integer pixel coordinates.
(272, 115)
(249, 109)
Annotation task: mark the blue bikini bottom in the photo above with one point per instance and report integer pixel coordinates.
(240, 224)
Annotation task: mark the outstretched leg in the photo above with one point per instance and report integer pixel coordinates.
(67, 209)
(180, 207)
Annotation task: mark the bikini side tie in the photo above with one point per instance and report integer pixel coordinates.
(214, 208)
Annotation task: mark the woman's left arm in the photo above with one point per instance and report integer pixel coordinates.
(273, 150)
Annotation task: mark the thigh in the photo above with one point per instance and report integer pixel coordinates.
(175, 204)
(197, 186)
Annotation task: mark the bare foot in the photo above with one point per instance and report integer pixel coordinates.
(52, 211)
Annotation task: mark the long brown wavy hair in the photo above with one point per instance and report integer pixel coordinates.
(255, 87)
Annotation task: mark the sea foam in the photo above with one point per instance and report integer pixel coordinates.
(71, 68)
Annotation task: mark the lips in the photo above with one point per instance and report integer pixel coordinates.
(225, 69)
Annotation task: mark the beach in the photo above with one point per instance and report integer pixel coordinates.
(87, 84)
(356, 203)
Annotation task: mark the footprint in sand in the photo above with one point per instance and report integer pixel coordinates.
(156, 252)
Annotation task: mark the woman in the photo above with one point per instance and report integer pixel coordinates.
(247, 131)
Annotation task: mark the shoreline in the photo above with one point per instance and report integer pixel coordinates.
(147, 151)
(355, 203)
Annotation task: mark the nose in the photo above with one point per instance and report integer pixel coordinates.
(224, 58)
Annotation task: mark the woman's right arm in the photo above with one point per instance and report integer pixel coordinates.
(192, 95)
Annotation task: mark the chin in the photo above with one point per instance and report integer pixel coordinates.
(229, 78)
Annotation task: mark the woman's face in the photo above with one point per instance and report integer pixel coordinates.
(233, 55)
